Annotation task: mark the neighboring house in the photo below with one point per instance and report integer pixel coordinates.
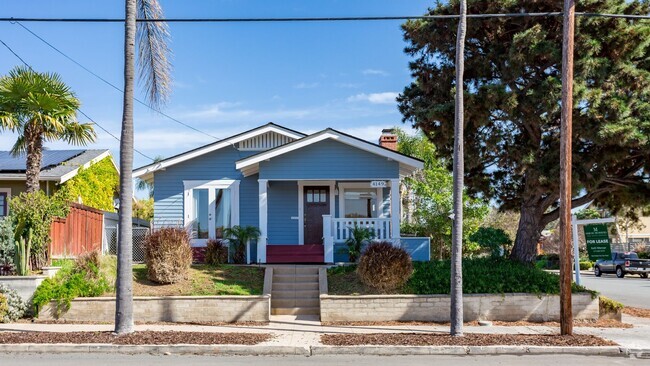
(304, 192)
(638, 234)
(57, 167)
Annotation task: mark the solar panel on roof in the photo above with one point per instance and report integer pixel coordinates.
(50, 158)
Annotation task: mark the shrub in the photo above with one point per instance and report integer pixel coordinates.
(608, 305)
(84, 277)
(15, 305)
(7, 247)
(168, 255)
(484, 275)
(4, 306)
(384, 266)
(586, 265)
(89, 262)
(216, 252)
(35, 212)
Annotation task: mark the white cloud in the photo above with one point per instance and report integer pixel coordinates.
(348, 85)
(306, 85)
(374, 72)
(375, 98)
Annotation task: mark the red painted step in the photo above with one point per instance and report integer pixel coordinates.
(308, 253)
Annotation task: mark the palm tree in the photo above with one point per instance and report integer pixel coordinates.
(457, 231)
(239, 236)
(39, 107)
(152, 39)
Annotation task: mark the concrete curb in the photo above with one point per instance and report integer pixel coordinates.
(242, 350)
(176, 349)
(466, 350)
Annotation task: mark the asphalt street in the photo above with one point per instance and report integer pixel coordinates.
(630, 290)
(339, 360)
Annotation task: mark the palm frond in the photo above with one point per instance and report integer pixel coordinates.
(154, 64)
(20, 147)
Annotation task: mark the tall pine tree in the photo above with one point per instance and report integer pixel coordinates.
(512, 96)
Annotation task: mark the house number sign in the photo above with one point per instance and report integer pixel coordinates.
(378, 184)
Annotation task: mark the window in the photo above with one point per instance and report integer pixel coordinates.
(210, 207)
(317, 196)
(360, 202)
(4, 202)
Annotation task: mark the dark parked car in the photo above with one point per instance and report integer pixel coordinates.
(622, 264)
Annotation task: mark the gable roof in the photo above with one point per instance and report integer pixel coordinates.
(56, 165)
(408, 164)
(146, 171)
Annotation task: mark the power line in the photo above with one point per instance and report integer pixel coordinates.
(79, 110)
(113, 85)
(322, 19)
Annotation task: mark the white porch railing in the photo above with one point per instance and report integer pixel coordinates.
(341, 228)
(338, 230)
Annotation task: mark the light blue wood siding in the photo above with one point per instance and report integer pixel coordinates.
(220, 164)
(326, 160)
(283, 204)
(418, 248)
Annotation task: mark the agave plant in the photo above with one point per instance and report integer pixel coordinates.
(239, 236)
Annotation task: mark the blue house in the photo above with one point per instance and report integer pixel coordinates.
(304, 192)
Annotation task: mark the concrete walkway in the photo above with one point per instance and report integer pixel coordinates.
(305, 331)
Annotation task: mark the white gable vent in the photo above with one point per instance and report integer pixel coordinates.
(265, 141)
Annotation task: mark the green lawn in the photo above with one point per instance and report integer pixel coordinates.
(481, 275)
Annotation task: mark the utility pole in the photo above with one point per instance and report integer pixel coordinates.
(566, 314)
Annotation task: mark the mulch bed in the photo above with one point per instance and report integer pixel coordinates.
(638, 312)
(602, 323)
(136, 338)
(469, 339)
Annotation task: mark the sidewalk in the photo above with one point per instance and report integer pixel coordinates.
(301, 335)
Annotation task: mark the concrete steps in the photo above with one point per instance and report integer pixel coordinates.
(294, 290)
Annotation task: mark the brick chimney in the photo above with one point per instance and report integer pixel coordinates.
(388, 139)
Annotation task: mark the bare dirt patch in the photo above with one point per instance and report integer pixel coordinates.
(638, 312)
(136, 338)
(471, 339)
(602, 323)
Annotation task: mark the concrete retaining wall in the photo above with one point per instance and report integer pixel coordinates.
(24, 285)
(506, 307)
(189, 309)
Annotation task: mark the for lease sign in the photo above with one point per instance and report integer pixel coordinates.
(598, 244)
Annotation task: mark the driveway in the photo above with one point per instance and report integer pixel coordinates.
(631, 290)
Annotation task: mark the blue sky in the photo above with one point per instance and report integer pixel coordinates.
(228, 77)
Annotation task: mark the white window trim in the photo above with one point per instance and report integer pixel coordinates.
(189, 185)
(301, 203)
(8, 192)
(366, 185)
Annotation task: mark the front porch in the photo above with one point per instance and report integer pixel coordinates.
(301, 221)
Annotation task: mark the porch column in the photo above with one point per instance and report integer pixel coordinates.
(395, 211)
(261, 245)
(328, 239)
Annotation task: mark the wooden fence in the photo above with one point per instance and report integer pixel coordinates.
(78, 233)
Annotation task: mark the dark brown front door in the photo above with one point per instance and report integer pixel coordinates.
(317, 204)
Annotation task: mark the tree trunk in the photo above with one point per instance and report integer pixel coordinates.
(34, 142)
(457, 231)
(124, 283)
(528, 232)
